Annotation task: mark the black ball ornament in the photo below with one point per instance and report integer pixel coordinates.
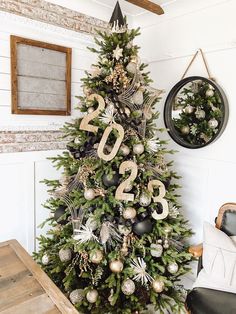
(60, 211)
(142, 227)
(110, 180)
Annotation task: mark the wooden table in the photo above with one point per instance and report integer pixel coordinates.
(25, 288)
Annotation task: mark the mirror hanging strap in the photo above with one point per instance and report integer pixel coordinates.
(204, 61)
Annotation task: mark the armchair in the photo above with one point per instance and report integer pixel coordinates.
(209, 301)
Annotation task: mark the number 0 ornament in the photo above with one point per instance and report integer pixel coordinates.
(159, 199)
(117, 144)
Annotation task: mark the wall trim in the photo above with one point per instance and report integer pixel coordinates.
(50, 13)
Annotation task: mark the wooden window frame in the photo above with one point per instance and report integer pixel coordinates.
(14, 40)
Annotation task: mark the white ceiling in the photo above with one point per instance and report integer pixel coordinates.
(130, 9)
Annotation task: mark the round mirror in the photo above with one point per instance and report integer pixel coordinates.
(196, 112)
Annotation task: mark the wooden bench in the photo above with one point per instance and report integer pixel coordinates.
(25, 288)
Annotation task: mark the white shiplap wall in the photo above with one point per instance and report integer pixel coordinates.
(82, 59)
(21, 192)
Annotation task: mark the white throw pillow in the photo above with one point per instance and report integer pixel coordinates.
(219, 261)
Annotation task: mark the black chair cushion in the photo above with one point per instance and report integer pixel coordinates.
(229, 222)
(207, 301)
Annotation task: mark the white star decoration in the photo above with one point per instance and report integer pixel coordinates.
(118, 52)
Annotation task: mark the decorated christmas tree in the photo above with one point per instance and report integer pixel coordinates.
(117, 241)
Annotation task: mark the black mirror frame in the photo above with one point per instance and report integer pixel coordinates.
(168, 111)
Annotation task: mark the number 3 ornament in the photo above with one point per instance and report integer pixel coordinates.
(159, 199)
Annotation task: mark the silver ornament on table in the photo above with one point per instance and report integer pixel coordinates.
(210, 93)
(129, 213)
(96, 256)
(124, 150)
(90, 109)
(92, 296)
(138, 149)
(158, 285)
(145, 199)
(116, 266)
(189, 109)
(185, 130)
(128, 287)
(173, 268)
(45, 259)
(213, 123)
(156, 250)
(65, 255)
(89, 194)
(200, 114)
(138, 97)
(76, 296)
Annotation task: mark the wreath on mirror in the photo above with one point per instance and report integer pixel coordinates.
(198, 112)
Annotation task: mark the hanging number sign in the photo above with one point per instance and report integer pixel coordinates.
(101, 146)
(125, 166)
(84, 125)
(159, 199)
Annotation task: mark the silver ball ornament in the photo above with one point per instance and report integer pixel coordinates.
(76, 296)
(124, 150)
(96, 256)
(138, 149)
(158, 285)
(189, 109)
(173, 268)
(213, 123)
(65, 255)
(45, 259)
(131, 67)
(128, 287)
(116, 266)
(210, 93)
(92, 296)
(185, 130)
(89, 194)
(129, 213)
(156, 250)
(145, 199)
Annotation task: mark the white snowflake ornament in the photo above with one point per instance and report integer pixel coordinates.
(118, 53)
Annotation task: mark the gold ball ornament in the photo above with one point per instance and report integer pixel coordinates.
(173, 268)
(92, 296)
(138, 149)
(89, 194)
(65, 255)
(76, 296)
(158, 285)
(116, 266)
(185, 130)
(129, 213)
(96, 256)
(128, 287)
(188, 109)
(124, 150)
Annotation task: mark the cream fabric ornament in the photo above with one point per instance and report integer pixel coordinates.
(118, 53)
(145, 199)
(131, 67)
(89, 194)
(45, 259)
(156, 250)
(210, 93)
(128, 287)
(124, 150)
(213, 123)
(65, 255)
(189, 109)
(138, 149)
(95, 71)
